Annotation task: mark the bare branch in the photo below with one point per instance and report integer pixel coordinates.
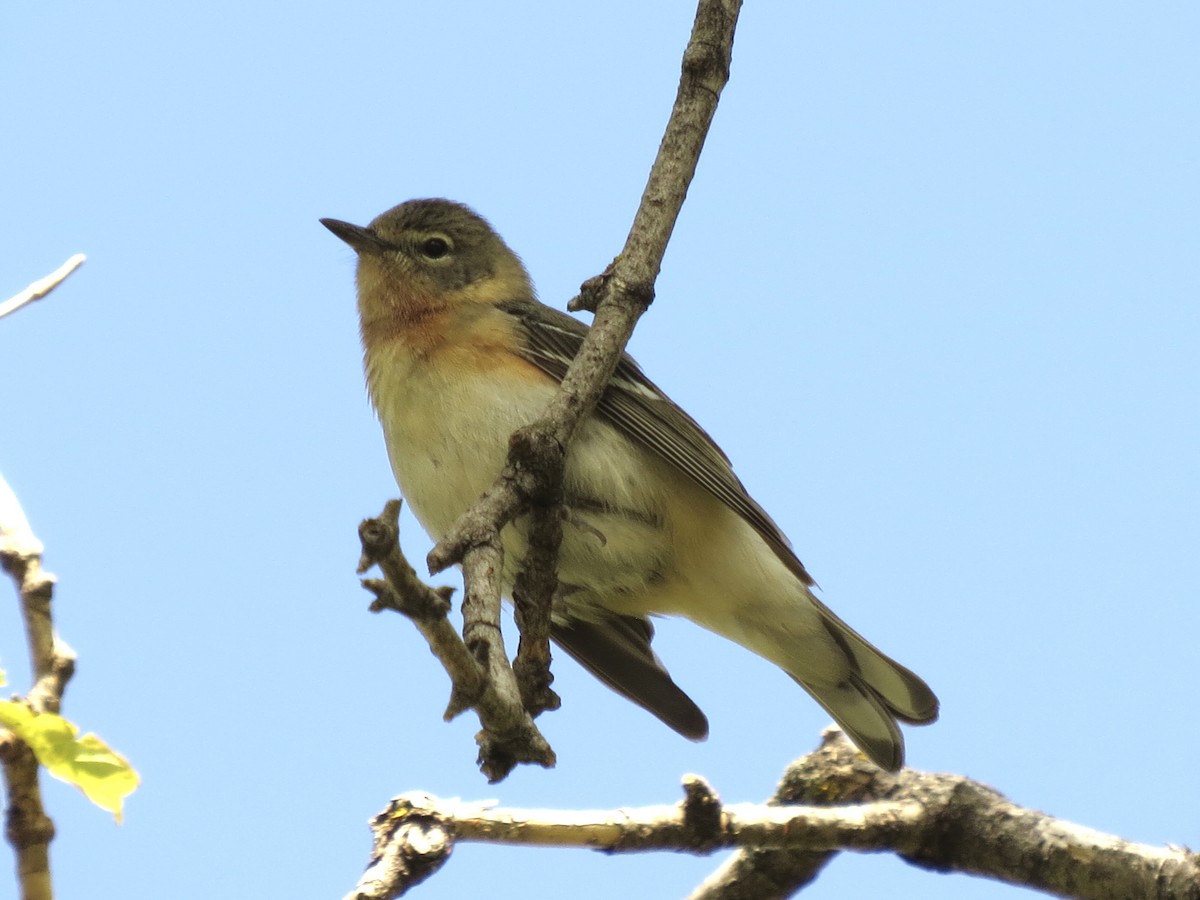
(29, 830)
(966, 827)
(531, 480)
(52, 661)
(508, 735)
(427, 607)
(941, 822)
(682, 827)
(511, 737)
(42, 286)
(537, 581)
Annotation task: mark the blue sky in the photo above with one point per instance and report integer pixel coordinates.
(934, 291)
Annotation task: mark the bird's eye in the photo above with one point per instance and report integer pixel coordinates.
(434, 248)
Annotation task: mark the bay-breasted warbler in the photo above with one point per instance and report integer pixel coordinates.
(459, 354)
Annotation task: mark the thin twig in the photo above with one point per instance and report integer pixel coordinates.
(42, 286)
(507, 736)
(427, 607)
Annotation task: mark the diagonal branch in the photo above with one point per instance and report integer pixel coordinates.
(42, 286)
(531, 481)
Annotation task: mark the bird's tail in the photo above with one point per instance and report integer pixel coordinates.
(875, 692)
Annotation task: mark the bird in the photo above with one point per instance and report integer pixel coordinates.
(459, 353)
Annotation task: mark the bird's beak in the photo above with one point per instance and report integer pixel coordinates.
(363, 240)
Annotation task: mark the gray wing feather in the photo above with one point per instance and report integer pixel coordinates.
(637, 408)
(616, 649)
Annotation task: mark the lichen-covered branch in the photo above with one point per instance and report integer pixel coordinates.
(409, 847)
(941, 822)
(966, 827)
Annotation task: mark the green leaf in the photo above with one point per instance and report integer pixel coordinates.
(86, 762)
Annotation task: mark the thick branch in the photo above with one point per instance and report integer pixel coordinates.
(967, 827)
(667, 827)
(943, 822)
(700, 824)
(531, 480)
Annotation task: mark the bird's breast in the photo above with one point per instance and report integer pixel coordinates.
(447, 416)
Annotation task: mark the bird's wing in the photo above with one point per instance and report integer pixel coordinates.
(637, 408)
(616, 649)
